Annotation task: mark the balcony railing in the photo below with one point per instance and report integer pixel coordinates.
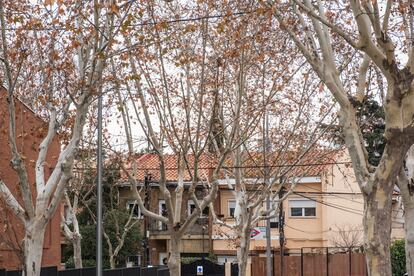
(154, 225)
(199, 227)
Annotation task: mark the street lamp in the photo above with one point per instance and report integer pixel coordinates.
(99, 192)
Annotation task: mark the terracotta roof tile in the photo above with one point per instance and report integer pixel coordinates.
(311, 164)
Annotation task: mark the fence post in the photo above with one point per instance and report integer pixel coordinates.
(327, 261)
(301, 261)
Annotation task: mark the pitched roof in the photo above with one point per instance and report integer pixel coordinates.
(149, 164)
(310, 164)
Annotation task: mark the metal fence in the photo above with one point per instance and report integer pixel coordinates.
(91, 271)
(315, 261)
(209, 268)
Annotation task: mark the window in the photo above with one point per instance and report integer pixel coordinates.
(274, 221)
(274, 224)
(302, 208)
(162, 210)
(232, 207)
(191, 207)
(226, 259)
(136, 213)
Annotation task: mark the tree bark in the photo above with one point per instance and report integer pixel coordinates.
(243, 251)
(33, 248)
(112, 261)
(174, 262)
(405, 183)
(77, 250)
(377, 231)
(409, 237)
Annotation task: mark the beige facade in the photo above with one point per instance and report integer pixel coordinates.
(325, 210)
(332, 213)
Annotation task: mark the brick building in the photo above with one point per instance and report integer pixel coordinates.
(30, 130)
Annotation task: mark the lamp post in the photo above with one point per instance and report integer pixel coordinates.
(147, 180)
(269, 263)
(281, 230)
(99, 192)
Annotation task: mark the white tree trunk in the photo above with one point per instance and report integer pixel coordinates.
(77, 250)
(112, 261)
(174, 260)
(243, 250)
(33, 248)
(377, 232)
(409, 237)
(405, 183)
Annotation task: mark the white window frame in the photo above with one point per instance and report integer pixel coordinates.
(228, 207)
(303, 204)
(128, 207)
(226, 259)
(191, 202)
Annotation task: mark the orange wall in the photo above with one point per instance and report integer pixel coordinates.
(339, 207)
(299, 232)
(29, 131)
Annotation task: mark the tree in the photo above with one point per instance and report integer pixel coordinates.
(348, 236)
(200, 89)
(272, 165)
(189, 98)
(120, 229)
(119, 226)
(131, 242)
(62, 58)
(73, 235)
(79, 188)
(405, 183)
(370, 118)
(398, 258)
(366, 36)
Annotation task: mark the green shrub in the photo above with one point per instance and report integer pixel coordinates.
(398, 258)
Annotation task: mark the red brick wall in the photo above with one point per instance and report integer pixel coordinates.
(30, 130)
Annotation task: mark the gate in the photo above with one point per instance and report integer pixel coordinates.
(209, 268)
(234, 269)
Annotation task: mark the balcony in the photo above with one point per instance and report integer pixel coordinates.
(157, 227)
(200, 227)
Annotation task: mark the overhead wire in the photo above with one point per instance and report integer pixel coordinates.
(248, 167)
(336, 194)
(146, 23)
(339, 207)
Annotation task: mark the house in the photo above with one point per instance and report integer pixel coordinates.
(196, 241)
(325, 209)
(29, 131)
